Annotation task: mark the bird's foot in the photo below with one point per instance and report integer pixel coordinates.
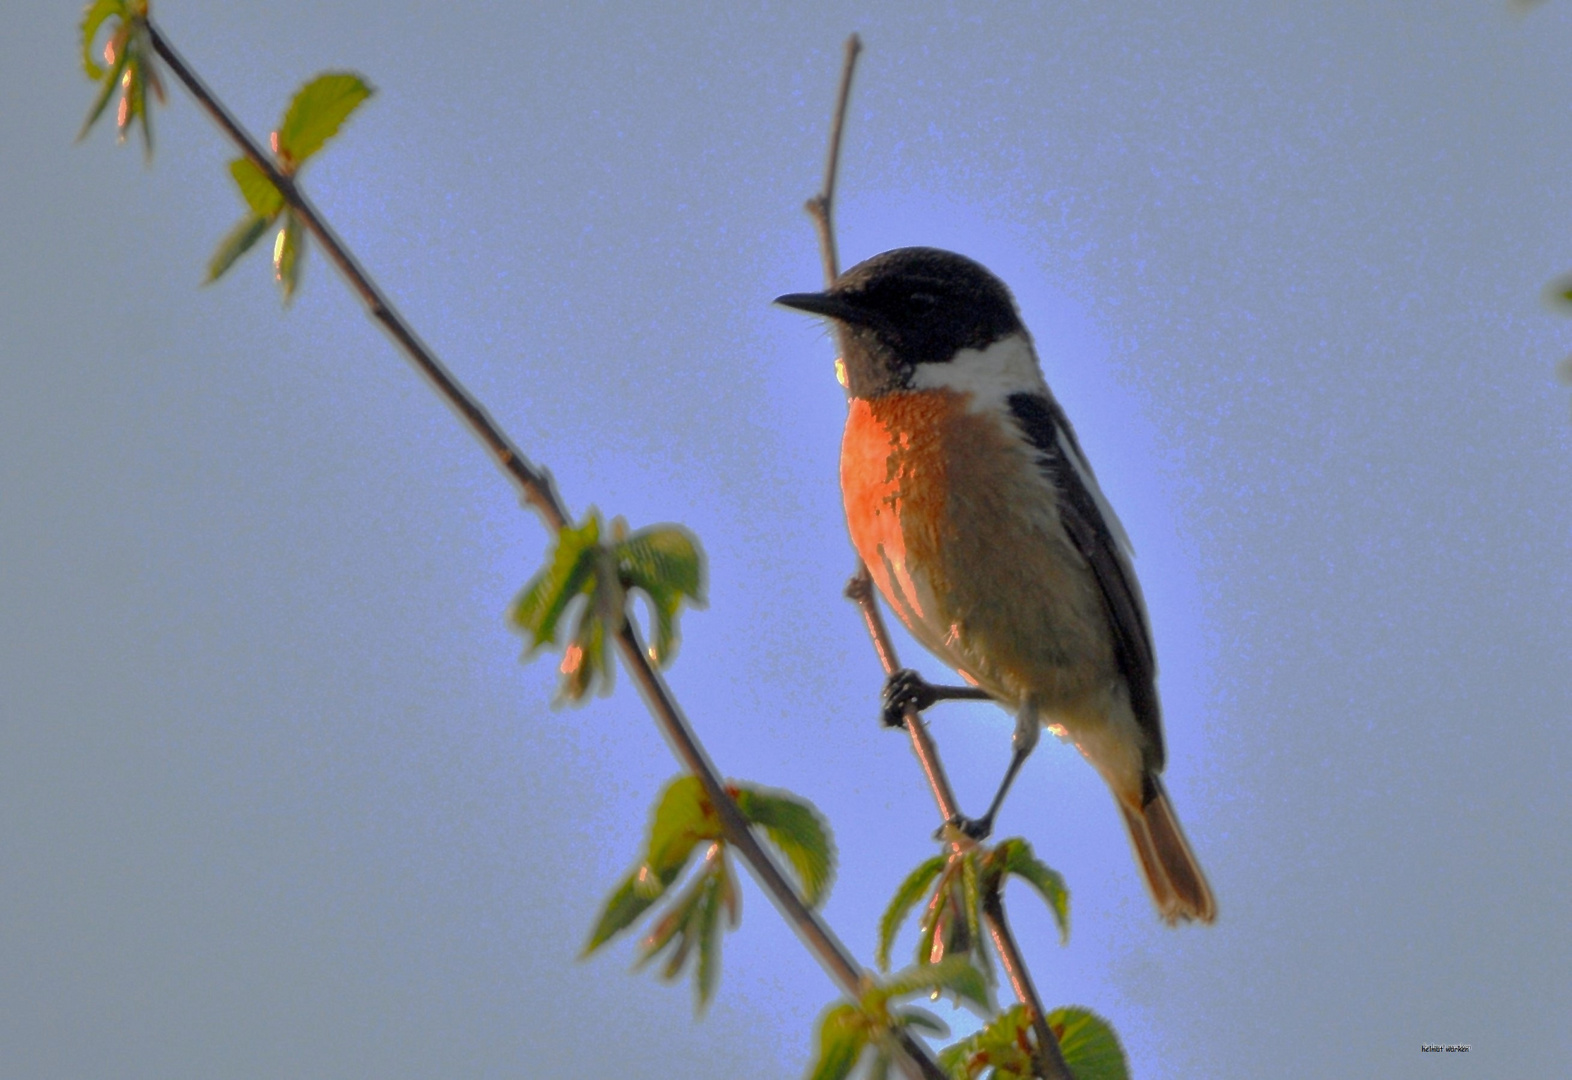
(974, 829)
(902, 691)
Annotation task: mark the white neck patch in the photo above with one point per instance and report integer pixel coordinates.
(989, 375)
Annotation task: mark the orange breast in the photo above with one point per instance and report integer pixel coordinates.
(894, 479)
(960, 531)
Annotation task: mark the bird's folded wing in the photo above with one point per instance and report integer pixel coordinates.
(1097, 534)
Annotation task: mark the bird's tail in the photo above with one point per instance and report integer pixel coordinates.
(1174, 877)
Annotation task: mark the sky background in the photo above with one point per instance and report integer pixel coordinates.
(277, 797)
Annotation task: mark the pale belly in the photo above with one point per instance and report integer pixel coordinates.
(958, 529)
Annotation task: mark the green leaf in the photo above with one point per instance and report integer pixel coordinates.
(906, 895)
(953, 974)
(1090, 1047)
(316, 113)
(1015, 856)
(922, 1020)
(666, 556)
(935, 914)
(627, 902)
(692, 927)
(586, 663)
(683, 819)
(673, 927)
(105, 92)
(707, 928)
(843, 1035)
(140, 69)
(800, 834)
(731, 897)
(236, 243)
(93, 17)
(971, 915)
(664, 931)
(566, 576)
(264, 199)
(287, 250)
(1003, 1045)
(665, 563)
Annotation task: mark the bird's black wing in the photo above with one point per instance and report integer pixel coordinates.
(1062, 462)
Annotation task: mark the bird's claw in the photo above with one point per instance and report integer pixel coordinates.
(974, 829)
(902, 691)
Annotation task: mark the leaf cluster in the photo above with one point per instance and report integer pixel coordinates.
(690, 926)
(593, 577)
(850, 1030)
(1005, 1049)
(315, 113)
(128, 63)
(960, 885)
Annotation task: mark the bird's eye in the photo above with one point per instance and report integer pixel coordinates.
(924, 301)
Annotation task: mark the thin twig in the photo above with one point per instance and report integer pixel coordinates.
(538, 492)
(1050, 1061)
(860, 591)
(822, 205)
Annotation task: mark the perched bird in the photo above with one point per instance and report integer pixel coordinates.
(970, 501)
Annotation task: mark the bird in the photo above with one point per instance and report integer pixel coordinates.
(978, 517)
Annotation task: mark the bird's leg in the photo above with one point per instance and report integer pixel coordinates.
(1028, 728)
(908, 690)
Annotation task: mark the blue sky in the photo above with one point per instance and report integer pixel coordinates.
(276, 795)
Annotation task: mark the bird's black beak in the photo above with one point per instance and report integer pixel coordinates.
(832, 306)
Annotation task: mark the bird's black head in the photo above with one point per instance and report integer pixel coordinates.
(907, 307)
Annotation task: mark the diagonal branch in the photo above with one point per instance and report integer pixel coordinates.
(1050, 1060)
(536, 488)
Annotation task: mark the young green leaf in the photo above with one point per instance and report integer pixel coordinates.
(707, 928)
(287, 251)
(631, 898)
(843, 1035)
(665, 563)
(906, 896)
(922, 1020)
(665, 930)
(105, 92)
(675, 927)
(130, 66)
(93, 17)
(953, 974)
(1089, 1045)
(798, 832)
(315, 114)
(683, 819)
(1015, 856)
(565, 577)
(138, 73)
(971, 938)
(930, 945)
(264, 199)
(1004, 1045)
(586, 662)
(236, 243)
(664, 555)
